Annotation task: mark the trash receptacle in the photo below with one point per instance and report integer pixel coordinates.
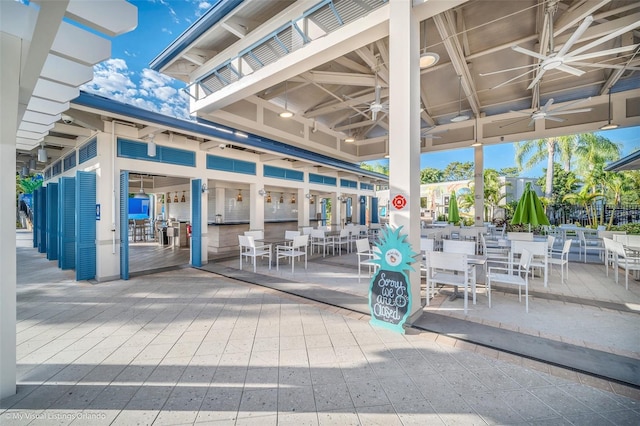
(164, 239)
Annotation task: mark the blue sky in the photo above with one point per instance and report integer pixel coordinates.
(126, 78)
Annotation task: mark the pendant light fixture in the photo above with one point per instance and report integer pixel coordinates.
(293, 198)
(175, 197)
(350, 137)
(427, 59)
(268, 199)
(141, 194)
(239, 196)
(183, 199)
(609, 125)
(281, 198)
(151, 146)
(42, 154)
(460, 117)
(286, 113)
(168, 198)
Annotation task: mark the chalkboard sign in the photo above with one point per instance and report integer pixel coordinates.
(390, 288)
(390, 296)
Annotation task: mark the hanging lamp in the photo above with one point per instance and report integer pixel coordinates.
(293, 198)
(286, 113)
(281, 198)
(460, 117)
(427, 59)
(175, 197)
(239, 196)
(141, 194)
(183, 199)
(609, 125)
(168, 198)
(268, 199)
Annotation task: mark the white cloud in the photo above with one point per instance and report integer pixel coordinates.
(204, 5)
(166, 30)
(149, 89)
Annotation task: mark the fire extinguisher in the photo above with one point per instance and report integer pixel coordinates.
(188, 230)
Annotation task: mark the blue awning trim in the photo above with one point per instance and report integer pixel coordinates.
(209, 128)
(195, 31)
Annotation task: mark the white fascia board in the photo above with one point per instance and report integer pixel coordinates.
(340, 42)
(17, 19)
(65, 71)
(80, 46)
(39, 117)
(34, 127)
(27, 144)
(113, 17)
(35, 136)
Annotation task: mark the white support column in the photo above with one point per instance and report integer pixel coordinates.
(9, 84)
(256, 210)
(303, 208)
(478, 157)
(336, 205)
(220, 200)
(404, 129)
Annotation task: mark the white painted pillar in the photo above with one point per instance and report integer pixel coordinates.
(303, 208)
(204, 223)
(220, 201)
(256, 210)
(478, 157)
(9, 84)
(336, 205)
(404, 129)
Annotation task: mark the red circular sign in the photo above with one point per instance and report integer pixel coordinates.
(399, 202)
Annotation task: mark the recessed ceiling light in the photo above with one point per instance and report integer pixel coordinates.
(286, 114)
(458, 118)
(349, 139)
(428, 59)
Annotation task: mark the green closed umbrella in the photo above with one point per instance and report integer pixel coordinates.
(529, 209)
(454, 215)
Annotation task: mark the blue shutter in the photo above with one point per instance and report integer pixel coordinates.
(323, 216)
(85, 225)
(67, 223)
(363, 210)
(35, 205)
(42, 221)
(124, 225)
(374, 210)
(52, 221)
(196, 223)
(349, 212)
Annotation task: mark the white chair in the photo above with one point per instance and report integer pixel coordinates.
(290, 235)
(494, 254)
(248, 249)
(562, 258)
(519, 277)
(539, 252)
(257, 235)
(297, 248)
(319, 239)
(449, 269)
(520, 236)
(589, 244)
(466, 247)
(625, 261)
(344, 239)
(609, 254)
(365, 256)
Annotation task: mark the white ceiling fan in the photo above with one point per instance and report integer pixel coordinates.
(563, 59)
(431, 132)
(547, 113)
(376, 105)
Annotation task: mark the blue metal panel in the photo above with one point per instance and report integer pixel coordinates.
(124, 225)
(215, 162)
(374, 210)
(52, 221)
(363, 210)
(56, 169)
(349, 212)
(196, 222)
(85, 225)
(42, 221)
(69, 161)
(323, 215)
(34, 216)
(164, 154)
(67, 223)
(282, 173)
(88, 151)
(346, 183)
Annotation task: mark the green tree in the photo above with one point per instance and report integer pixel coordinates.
(531, 153)
(458, 171)
(430, 175)
(615, 185)
(632, 193)
(509, 172)
(493, 194)
(564, 182)
(376, 167)
(585, 199)
(592, 152)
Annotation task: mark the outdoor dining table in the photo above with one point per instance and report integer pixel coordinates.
(473, 260)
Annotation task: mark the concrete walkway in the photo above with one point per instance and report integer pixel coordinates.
(192, 347)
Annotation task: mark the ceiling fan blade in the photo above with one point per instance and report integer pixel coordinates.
(547, 105)
(570, 70)
(559, 120)
(506, 70)
(528, 52)
(592, 55)
(528, 114)
(569, 111)
(514, 78)
(532, 122)
(536, 80)
(576, 35)
(611, 66)
(608, 37)
(571, 104)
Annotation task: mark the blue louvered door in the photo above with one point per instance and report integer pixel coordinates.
(196, 222)
(42, 220)
(52, 221)
(85, 225)
(124, 225)
(363, 210)
(374, 210)
(35, 205)
(67, 223)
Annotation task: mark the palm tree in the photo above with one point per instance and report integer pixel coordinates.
(530, 153)
(615, 185)
(593, 151)
(585, 199)
(493, 194)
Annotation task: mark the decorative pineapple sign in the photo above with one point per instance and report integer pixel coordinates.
(390, 291)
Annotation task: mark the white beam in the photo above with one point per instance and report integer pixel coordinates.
(76, 44)
(66, 71)
(47, 106)
(68, 129)
(56, 92)
(113, 18)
